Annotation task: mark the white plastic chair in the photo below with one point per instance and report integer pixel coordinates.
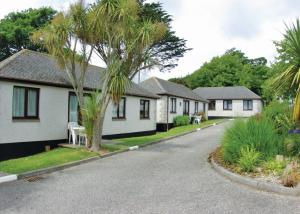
(72, 133)
(82, 134)
(198, 119)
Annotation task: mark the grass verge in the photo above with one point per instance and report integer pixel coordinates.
(61, 156)
(43, 160)
(136, 141)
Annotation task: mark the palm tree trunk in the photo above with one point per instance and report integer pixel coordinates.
(97, 133)
(99, 121)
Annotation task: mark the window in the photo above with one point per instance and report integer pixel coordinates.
(173, 105)
(227, 105)
(144, 109)
(248, 105)
(25, 103)
(74, 106)
(119, 109)
(196, 107)
(212, 105)
(186, 107)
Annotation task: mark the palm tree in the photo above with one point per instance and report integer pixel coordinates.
(67, 38)
(120, 38)
(290, 48)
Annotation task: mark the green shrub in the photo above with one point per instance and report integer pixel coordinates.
(274, 166)
(249, 158)
(203, 118)
(181, 120)
(292, 145)
(280, 114)
(257, 134)
(89, 113)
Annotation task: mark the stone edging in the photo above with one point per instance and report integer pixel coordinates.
(180, 135)
(76, 163)
(259, 185)
(65, 166)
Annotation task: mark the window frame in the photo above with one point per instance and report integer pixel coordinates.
(212, 109)
(227, 109)
(173, 109)
(143, 116)
(248, 109)
(118, 110)
(184, 107)
(72, 93)
(37, 104)
(196, 107)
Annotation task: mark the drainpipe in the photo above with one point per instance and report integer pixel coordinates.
(167, 113)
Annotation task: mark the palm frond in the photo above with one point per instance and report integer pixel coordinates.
(291, 76)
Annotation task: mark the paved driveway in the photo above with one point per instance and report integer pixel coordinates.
(172, 177)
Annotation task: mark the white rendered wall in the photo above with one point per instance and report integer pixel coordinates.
(132, 123)
(53, 114)
(162, 109)
(237, 109)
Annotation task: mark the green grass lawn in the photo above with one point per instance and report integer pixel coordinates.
(113, 147)
(135, 141)
(61, 156)
(43, 160)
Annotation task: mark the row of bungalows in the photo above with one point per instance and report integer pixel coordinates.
(37, 102)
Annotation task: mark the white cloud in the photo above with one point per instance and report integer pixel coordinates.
(212, 27)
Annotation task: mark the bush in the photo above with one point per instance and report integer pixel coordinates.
(257, 134)
(274, 166)
(291, 175)
(292, 145)
(181, 120)
(203, 118)
(249, 158)
(89, 113)
(280, 114)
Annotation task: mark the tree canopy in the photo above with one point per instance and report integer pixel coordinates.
(119, 35)
(16, 28)
(233, 68)
(168, 50)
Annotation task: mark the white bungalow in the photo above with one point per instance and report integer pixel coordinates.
(231, 102)
(37, 102)
(175, 100)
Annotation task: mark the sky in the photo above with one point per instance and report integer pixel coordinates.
(210, 27)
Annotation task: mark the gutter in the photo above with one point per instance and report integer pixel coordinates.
(61, 85)
(187, 98)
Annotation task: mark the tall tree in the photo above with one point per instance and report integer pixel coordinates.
(289, 50)
(123, 42)
(119, 36)
(17, 27)
(68, 38)
(171, 48)
(230, 69)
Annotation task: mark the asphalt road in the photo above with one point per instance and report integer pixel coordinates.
(171, 177)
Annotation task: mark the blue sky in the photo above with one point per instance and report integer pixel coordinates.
(210, 26)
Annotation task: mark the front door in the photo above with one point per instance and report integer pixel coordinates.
(186, 107)
(73, 108)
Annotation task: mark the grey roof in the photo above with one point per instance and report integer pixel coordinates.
(163, 87)
(221, 93)
(40, 68)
